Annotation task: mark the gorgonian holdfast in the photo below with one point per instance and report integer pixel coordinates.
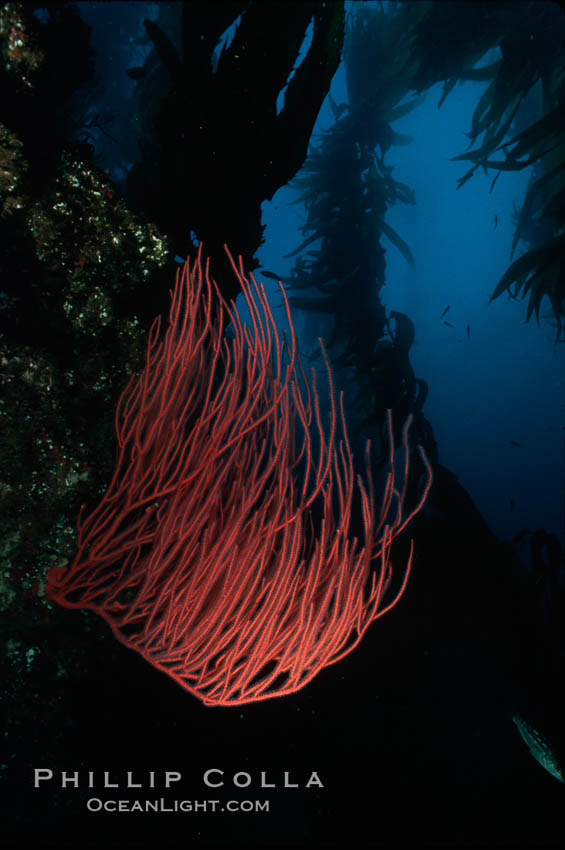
(222, 549)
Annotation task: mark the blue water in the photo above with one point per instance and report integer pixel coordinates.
(504, 381)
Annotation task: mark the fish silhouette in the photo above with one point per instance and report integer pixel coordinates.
(538, 747)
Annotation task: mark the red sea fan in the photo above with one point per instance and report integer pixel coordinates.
(222, 550)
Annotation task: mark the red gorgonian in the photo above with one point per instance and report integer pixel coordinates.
(222, 550)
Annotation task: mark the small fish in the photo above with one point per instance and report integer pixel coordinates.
(270, 275)
(514, 443)
(495, 222)
(448, 325)
(512, 505)
(137, 73)
(468, 329)
(538, 747)
(445, 311)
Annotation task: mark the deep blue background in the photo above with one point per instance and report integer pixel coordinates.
(503, 382)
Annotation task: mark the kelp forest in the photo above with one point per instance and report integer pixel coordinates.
(231, 544)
